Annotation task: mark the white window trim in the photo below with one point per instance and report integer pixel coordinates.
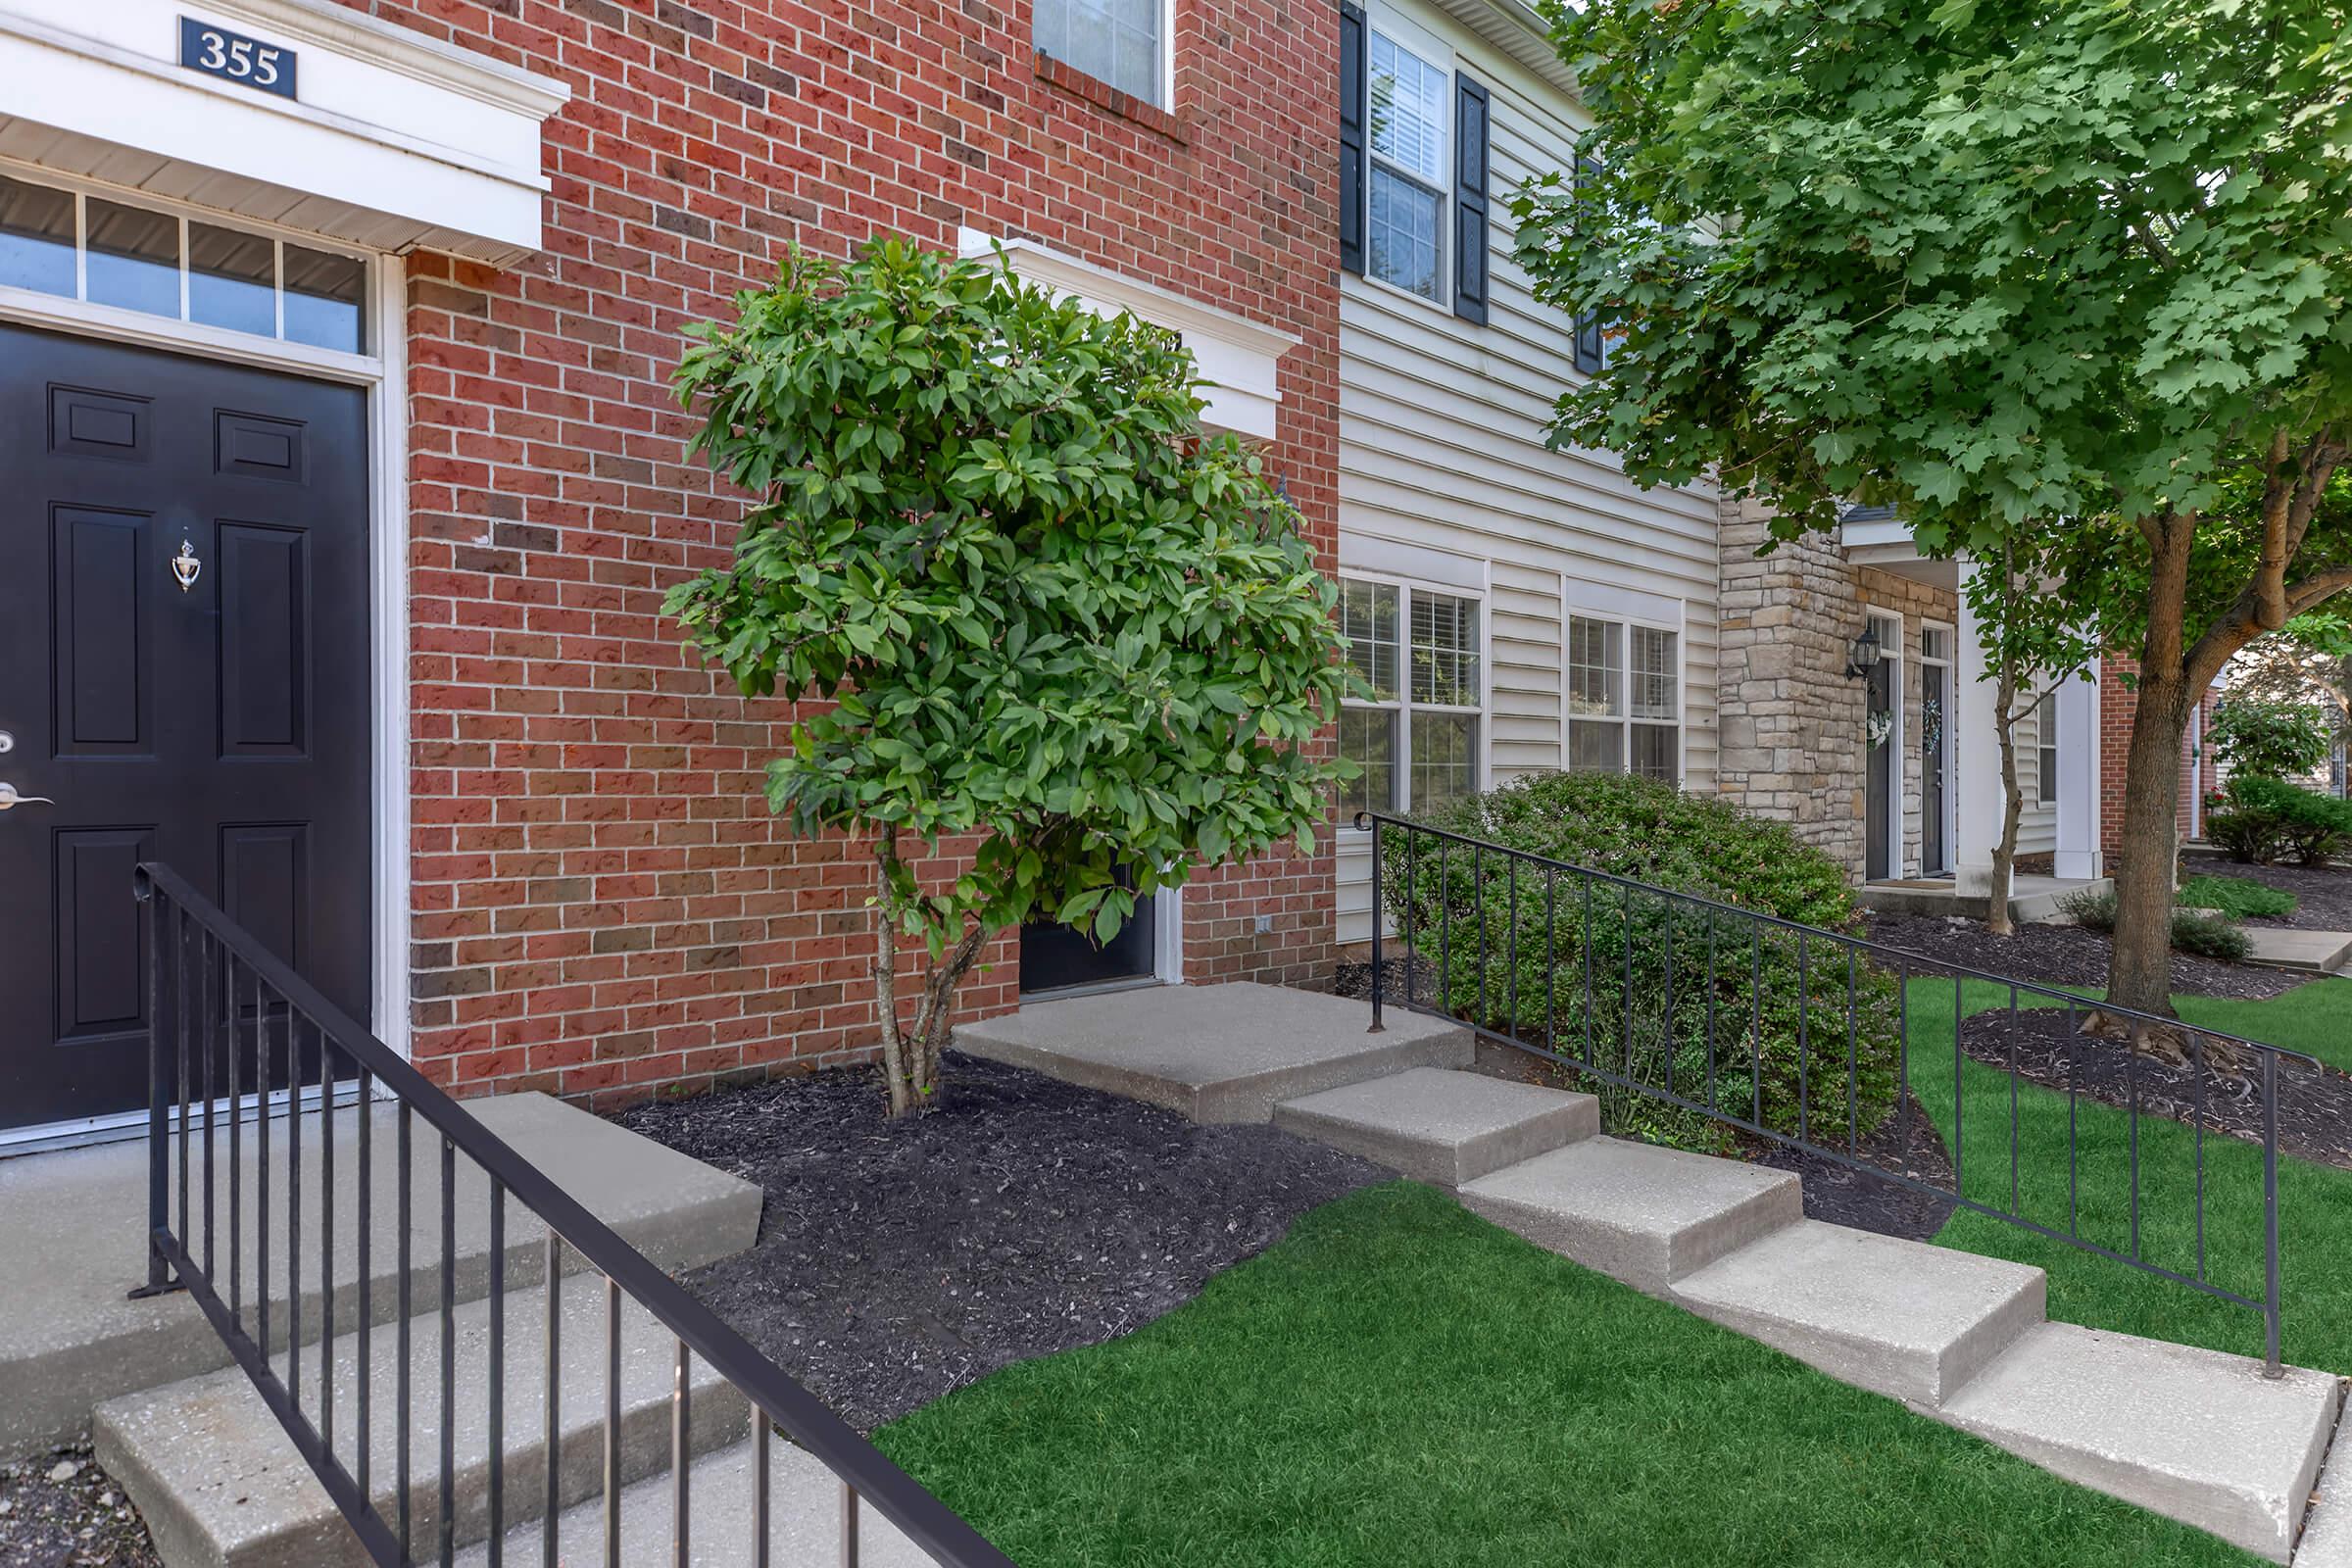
(1163, 96)
(2046, 738)
(1410, 35)
(1627, 608)
(1482, 754)
(1948, 663)
(385, 377)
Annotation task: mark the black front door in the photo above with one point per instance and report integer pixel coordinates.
(1877, 786)
(1054, 956)
(184, 674)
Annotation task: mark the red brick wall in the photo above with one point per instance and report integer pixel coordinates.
(601, 902)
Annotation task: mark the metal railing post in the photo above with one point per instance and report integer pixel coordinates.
(158, 1089)
(1379, 916)
(2270, 1302)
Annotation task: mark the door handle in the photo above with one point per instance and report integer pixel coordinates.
(10, 799)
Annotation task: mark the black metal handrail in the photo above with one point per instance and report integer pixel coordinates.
(1468, 1001)
(244, 995)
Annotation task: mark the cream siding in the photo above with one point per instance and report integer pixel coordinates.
(1441, 450)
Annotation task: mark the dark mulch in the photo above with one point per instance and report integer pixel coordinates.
(60, 1510)
(2315, 1105)
(2323, 892)
(2064, 956)
(1019, 1217)
(1908, 1144)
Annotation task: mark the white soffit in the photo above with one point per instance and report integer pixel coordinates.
(396, 141)
(1517, 30)
(1235, 355)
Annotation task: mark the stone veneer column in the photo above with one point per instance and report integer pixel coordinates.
(1792, 737)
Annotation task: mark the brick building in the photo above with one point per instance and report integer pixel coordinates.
(345, 475)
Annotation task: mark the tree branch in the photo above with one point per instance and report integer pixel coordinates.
(2270, 573)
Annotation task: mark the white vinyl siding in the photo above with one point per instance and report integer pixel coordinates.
(1441, 450)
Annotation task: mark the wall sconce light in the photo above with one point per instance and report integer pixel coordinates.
(1863, 657)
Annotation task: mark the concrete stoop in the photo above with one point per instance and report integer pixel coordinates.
(192, 1444)
(221, 1486)
(2197, 1436)
(73, 1242)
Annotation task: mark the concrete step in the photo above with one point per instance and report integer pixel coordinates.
(805, 1518)
(73, 1229)
(1901, 1318)
(1437, 1124)
(2195, 1434)
(2289, 948)
(1646, 1215)
(221, 1486)
(1218, 1053)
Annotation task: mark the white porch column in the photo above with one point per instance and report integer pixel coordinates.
(2078, 756)
(1976, 755)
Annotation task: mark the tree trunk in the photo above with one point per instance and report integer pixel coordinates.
(2141, 972)
(2013, 805)
(910, 1052)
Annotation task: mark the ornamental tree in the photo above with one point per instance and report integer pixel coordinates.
(2063, 275)
(1026, 602)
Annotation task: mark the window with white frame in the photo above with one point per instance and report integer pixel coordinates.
(78, 245)
(2046, 735)
(1405, 237)
(1416, 736)
(1625, 698)
(1121, 42)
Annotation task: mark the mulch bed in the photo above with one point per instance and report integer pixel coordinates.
(2315, 1105)
(2065, 955)
(60, 1510)
(1907, 1144)
(2323, 892)
(1021, 1217)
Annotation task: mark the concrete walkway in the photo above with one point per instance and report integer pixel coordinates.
(2197, 1436)
(2286, 947)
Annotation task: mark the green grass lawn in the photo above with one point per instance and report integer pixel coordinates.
(1401, 1383)
(2235, 896)
(2315, 1202)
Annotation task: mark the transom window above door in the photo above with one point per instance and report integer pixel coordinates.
(1418, 735)
(1405, 240)
(1121, 42)
(1624, 698)
(81, 245)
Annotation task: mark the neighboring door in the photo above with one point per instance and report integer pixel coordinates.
(221, 728)
(1879, 775)
(1054, 958)
(1935, 708)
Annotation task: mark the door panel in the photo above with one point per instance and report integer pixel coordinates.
(221, 726)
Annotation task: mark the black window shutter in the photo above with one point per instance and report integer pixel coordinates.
(1587, 325)
(1470, 200)
(1355, 83)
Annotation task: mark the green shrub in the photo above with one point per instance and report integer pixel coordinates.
(2237, 896)
(2208, 936)
(2272, 740)
(1519, 948)
(2263, 819)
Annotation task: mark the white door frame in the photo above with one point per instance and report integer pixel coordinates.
(384, 378)
(1891, 654)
